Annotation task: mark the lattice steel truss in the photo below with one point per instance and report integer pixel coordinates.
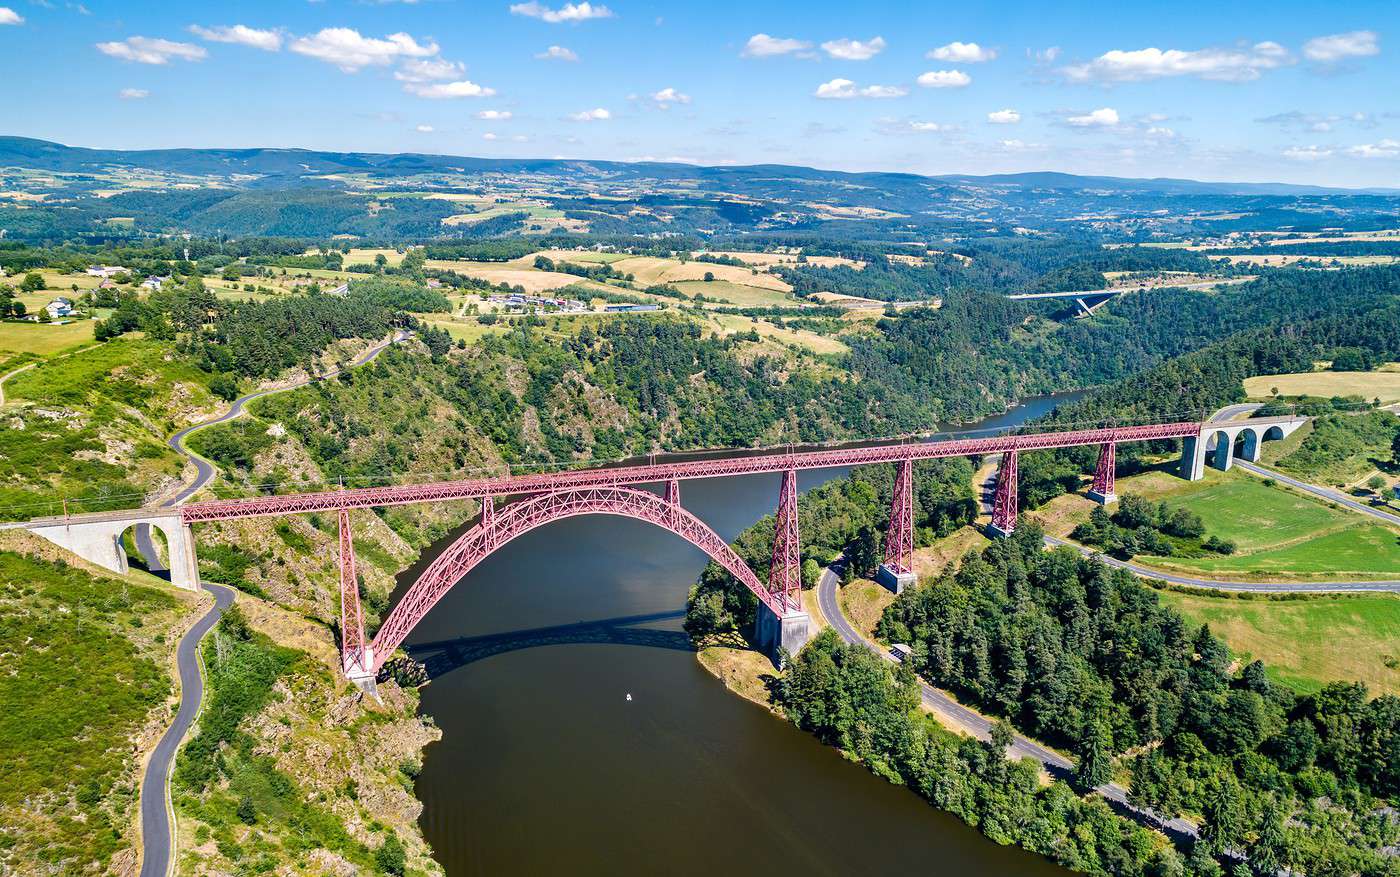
(368, 497)
(899, 539)
(514, 520)
(1004, 505)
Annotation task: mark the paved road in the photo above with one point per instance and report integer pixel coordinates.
(205, 470)
(1392, 585)
(1230, 412)
(156, 826)
(157, 832)
(979, 725)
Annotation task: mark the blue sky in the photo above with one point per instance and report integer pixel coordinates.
(1290, 91)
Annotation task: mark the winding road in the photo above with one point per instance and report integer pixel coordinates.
(157, 816)
(943, 704)
(204, 469)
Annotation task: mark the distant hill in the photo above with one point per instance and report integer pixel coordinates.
(308, 193)
(300, 163)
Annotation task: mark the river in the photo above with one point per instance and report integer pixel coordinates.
(615, 752)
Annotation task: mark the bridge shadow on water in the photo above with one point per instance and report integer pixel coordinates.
(444, 656)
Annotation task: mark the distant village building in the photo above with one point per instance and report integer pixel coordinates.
(341, 290)
(106, 271)
(59, 307)
(631, 309)
(434, 283)
(516, 300)
(107, 284)
(154, 283)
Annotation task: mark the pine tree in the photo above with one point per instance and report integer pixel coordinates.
(1095, 765)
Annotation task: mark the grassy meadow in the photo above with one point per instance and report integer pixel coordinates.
(1382, 384)
(71, 710)
(1280, 534)
(1307, 641)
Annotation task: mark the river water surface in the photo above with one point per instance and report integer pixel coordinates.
(579, 748)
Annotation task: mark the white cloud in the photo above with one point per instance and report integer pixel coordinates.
(1335, 47)
(1104, 117)
(1015, 145)
(9, 16)
(666, 97)
(845, 89)
(267, 40)
(1383, 149)
(557, 53)
(347, 49)
(884, 91)
(148, 50)
(448, 90)
(1161, 133)
(964, 53)
(596, 115)
(1225, 65)
(428, 70)
(761, 45)
(1319, 123)
(854, 50)
(1004, 117)
(489, 135)
(569, 12)
(930, 127)
(133, 93)
(945, 79)
(1307, 153)
(494, 115)
(424, 129)
(1047, 56)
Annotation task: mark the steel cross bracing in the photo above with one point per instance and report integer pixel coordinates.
(514, 520)
(1004, 504)
(367, 497)
(352, 625)
(1103, 475)
(899, 539)
(785, 572)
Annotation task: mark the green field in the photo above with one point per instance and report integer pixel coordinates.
(44, 339)
(470, 332)
(1281, 534)
(1307, 641)
(735, 293)
(85, 668)
(1342, 449)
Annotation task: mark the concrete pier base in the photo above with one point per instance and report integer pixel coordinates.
(776, 634)
(1102, 498)
(893, 580)
(995, 532)
(361, 676)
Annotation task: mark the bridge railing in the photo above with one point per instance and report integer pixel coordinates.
(476, 488)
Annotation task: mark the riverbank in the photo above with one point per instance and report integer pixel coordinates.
(290, 763)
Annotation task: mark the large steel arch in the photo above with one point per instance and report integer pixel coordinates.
(480, 541)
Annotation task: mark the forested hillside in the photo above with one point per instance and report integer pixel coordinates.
(1085, 657)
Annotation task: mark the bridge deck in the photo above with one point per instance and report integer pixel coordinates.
(506, 485)
(660, 472)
